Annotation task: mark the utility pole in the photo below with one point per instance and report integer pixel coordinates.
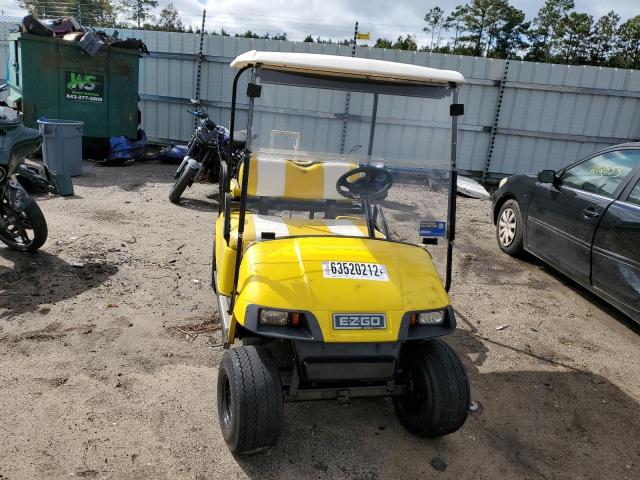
(347, 100)
(139, 12)
(199, 71)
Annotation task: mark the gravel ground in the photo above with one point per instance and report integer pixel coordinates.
(108, 357)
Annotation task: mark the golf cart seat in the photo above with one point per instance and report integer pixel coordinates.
(267, 227)
(273, 175)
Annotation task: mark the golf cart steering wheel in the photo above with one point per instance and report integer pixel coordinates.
(365, 183)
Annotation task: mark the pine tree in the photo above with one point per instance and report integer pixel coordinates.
(138, 11)
(436, 20)
(628, 44)
(170, 20)
(481, 22)
(573, 36)
(603, 39)
(455, 22)
(511, 34)
(544, 34)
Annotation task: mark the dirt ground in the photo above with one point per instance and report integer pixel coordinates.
(108, 358)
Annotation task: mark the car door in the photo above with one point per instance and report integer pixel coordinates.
(563, 216)
(616, 252)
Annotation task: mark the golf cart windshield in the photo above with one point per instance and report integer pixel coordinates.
(341, 156)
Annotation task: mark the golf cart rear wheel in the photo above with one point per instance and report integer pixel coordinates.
(250, 403)
(437, 398)
(184, 180)
(509, 228)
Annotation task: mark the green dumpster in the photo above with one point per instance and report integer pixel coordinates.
(54, 78)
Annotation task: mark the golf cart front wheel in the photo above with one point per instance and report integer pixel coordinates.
(437, 397)
(250, 402)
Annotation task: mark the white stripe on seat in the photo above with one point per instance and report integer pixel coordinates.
(263, 223)
(271, 176)
(332, 172)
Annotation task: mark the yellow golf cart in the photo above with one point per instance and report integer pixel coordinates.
(327, 265)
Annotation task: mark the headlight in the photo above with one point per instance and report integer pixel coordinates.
(503, 181)
(279, 317)
(274, 317)
(430, 318)
(427, 318)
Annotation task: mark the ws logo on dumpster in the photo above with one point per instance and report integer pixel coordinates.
(84, 87)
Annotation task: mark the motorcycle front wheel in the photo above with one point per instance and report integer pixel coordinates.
(24, 231)
(185, 179)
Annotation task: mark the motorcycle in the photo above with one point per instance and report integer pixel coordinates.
(22, 224)
(207, 145)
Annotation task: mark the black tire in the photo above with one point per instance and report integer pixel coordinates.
(509, 228)
(31, 219)
(184, 180)
(250, 402)
(437, 399)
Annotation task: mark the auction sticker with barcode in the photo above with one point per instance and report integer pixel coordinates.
(355, 270)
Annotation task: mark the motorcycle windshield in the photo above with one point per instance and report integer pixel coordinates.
(313, 174)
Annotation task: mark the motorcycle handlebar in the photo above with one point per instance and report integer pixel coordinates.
(198, 114)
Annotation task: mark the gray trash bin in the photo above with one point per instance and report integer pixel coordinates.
(62, 146)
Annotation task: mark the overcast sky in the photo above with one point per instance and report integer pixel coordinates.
(335, 18)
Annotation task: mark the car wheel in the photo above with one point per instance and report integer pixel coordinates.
(250, 402)
(509, 228)
(436, 398)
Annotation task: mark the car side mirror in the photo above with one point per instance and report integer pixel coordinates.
(547, 176)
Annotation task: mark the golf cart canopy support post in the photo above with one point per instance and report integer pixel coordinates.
(453, 190)
(282, 75)
(374, 115)
(245, 184)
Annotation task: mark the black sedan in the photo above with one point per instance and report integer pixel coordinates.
(583, 220)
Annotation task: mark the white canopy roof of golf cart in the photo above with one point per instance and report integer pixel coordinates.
(347, 67)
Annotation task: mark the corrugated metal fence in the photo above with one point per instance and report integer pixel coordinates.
(519, 117)
(7, 25)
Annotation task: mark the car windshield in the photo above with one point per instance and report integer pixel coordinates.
(313, 174)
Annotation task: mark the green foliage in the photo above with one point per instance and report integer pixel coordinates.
(436, 20)
(544, 34)
(603, 38)
(628, 44)
(405, 43)
(383, 43)
(573, 35)
(170, 20)
(138, 12)
(98, 13)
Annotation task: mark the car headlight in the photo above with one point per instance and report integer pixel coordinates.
(428, 318)
(503, 181)
(279, 317)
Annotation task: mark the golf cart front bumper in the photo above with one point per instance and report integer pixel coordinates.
(346, 362)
